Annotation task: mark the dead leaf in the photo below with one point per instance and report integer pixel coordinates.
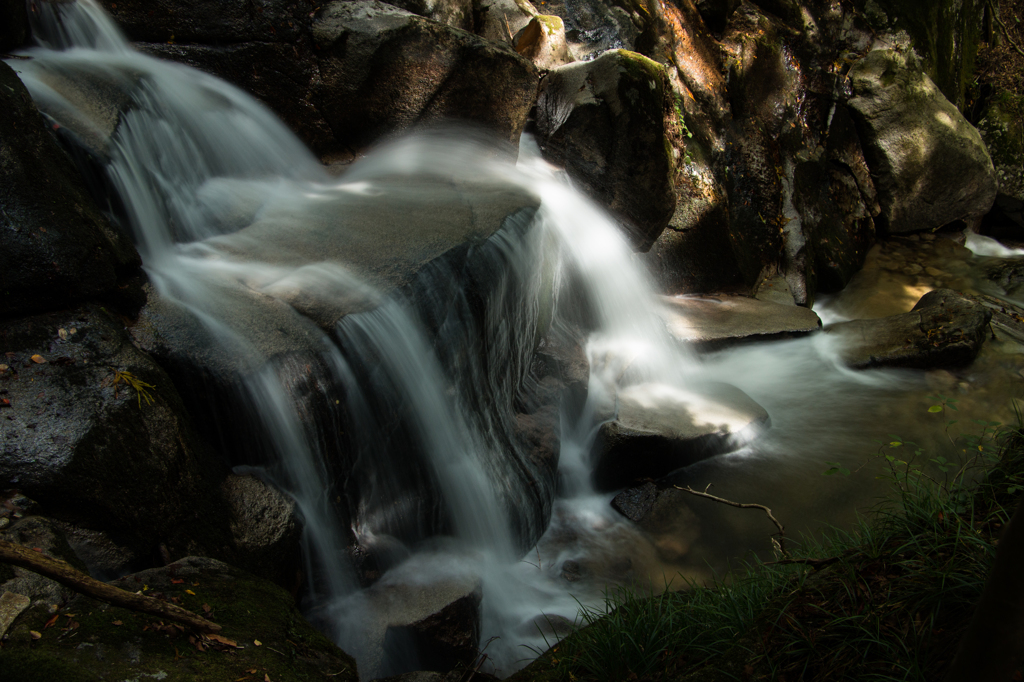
(177, 581)
(4, 402)
(223, 640)
(190, 592)
(53, 621)
(38, 359)
(4, 368)
(251, 671)
(266, 677)
(257, 642)
(117, 622)
(35, 634)
(63, 334)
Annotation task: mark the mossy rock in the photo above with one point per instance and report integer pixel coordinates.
(945, 33)
(92, 641)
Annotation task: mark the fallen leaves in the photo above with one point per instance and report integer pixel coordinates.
(53, 621)
(38, 359)
(35, 634)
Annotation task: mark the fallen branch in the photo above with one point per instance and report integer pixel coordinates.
(1006, 32)
(781, 543)
(54, 569)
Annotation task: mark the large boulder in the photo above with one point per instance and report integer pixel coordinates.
(604, 120)
(944, 329)
(932, 166)
(263, 633)
(94, 431)
(658, 429)
(58, 248)
(383, 69)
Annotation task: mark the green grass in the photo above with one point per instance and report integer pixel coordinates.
(887, 600)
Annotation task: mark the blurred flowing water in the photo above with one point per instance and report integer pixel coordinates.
(226, 206)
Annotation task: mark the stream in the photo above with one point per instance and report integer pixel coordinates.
(229, 211)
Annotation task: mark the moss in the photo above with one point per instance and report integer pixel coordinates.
(639, 67)
(552, 24)
(95, 641)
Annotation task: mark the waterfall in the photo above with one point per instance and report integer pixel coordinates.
(391, 425)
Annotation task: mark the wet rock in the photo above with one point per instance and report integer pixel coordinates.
(94, 641)
(423, 621)
(97, 434)
(604, 121)
(636, 503)
(571, 571)
(383, 70)
(712, 322)
(540, 433)
(447, 638)
(542, 41)
(265, 527)
(658, 429)
(58, 248)
(944, 329)
(931, 164)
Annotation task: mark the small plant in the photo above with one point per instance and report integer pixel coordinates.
(142, 389)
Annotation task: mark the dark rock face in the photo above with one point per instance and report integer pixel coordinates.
(58, 248)
(383, 70)
(90, 448)
(658, 430)
(717, 12)
(604, 121)
(345, 75)
(932, 165)
(114, 643)
(14, 29)
(944, 329)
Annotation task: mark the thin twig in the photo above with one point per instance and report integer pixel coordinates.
(741, 505)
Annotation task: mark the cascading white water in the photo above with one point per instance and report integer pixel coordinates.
(193, 161)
